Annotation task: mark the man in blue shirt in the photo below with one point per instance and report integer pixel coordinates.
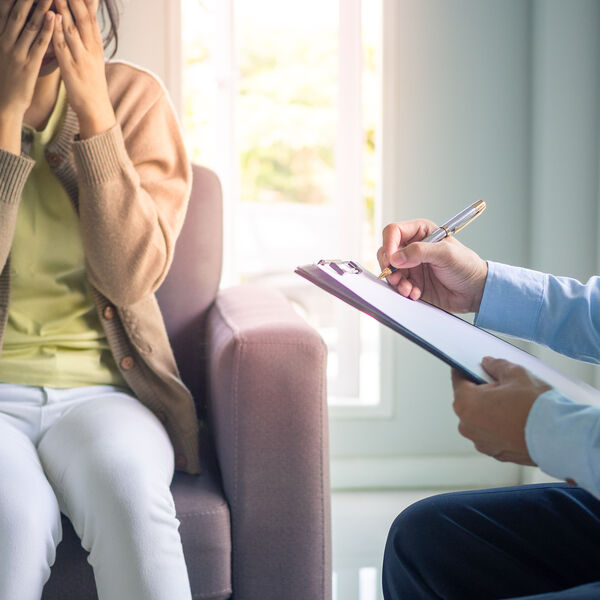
(534, 541)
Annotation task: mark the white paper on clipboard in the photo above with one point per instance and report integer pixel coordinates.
(447, 336)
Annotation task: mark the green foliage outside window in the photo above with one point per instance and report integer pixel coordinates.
(287, 109)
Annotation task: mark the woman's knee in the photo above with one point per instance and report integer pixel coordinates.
(120, 480)
(117, 482)
(30, 520)
(116, 495)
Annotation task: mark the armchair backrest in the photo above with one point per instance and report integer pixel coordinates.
(193, 280)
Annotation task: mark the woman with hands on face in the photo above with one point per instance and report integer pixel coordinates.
(32, 48)
(528, 541)
(94, 418)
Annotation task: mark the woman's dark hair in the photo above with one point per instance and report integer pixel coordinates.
(110, 18)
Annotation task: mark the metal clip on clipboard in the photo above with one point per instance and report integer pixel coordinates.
(342, 267)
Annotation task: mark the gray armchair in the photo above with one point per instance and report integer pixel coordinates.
(256, 524)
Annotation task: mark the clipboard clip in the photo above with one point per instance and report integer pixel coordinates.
(342, 267)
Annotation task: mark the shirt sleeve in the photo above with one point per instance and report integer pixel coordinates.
(558, 312)
(563, 438)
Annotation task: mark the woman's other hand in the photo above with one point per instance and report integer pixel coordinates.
(446, 273)
(80, 54)
(23, 43)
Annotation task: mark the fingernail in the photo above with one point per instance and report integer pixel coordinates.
(400, 257)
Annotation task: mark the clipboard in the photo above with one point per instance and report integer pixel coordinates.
(453, 340)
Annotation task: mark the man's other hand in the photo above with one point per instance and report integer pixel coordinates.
(493, 415)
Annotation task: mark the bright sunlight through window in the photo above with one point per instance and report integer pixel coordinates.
(283, 100)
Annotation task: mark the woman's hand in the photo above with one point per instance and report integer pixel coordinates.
(446, 273)
(23, 43)
(80, 54)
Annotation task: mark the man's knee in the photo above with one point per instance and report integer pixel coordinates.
(416, 530)
(413, 542)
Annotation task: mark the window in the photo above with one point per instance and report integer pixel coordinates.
(283, 100)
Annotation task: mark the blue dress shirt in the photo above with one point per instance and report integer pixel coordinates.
(562, 437)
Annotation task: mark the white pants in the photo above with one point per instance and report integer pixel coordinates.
(104, 460)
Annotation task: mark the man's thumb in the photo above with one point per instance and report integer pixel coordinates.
(415, 254)
(498, 368)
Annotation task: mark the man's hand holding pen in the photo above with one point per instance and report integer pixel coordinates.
(447, 274)
(451, 276)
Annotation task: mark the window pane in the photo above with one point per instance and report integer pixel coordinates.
(269, 71)
(199, 31)
(286, 132)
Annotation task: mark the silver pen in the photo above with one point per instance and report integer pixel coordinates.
(450, 227)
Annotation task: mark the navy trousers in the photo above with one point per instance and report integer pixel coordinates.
(533, 541)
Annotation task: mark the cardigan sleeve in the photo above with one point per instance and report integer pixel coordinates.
(14, 171)
(134, 183)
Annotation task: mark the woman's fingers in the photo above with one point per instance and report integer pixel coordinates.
(5, 8)
(83, 19)
(61, 48)
(80, 25)
(15, 21)
(33, 27)
(69, 33)
(42, 41)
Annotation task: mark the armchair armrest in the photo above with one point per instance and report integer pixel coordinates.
(267, 411)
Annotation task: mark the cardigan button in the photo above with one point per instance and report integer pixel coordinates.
(109, 313)
(53, 159)
(181, 462)
(127, 363)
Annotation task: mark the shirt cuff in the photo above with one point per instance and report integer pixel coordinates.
(563, 438)
(512, 300)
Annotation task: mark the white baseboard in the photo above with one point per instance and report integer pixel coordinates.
(462, 471)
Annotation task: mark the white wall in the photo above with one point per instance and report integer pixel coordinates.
(565, 155)
(149, 36)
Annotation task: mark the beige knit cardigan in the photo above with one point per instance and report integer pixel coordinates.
(130, 187)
